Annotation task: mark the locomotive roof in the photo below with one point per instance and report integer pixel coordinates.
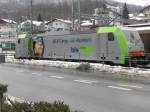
(113, 29)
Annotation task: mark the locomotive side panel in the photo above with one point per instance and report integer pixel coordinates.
(96, 47)
(78, 47)
(53, 48)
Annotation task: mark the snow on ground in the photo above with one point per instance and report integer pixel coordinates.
(130, 71)
(13, 99)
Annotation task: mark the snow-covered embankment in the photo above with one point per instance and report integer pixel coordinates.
(93, 66)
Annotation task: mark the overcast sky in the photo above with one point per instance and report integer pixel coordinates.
(137, 2)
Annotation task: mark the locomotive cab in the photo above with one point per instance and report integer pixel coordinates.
(135, 47)
(135, 44)
(129, 43)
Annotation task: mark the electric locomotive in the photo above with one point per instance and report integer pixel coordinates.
(112, 44)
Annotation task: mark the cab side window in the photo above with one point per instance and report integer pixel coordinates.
(19, 40)
(111, 37)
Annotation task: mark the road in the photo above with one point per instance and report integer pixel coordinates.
(85, 91)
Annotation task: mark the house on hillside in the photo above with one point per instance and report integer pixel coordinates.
(114, 11)
(141, 17)
(107, 15)
(37, 26)
(137, 18)
(59, 25)
(66, 25)
(146, 12)
(7, 28)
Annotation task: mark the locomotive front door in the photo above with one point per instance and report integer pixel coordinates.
(102, 47)
(111, 46)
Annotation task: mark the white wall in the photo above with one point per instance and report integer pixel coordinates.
(8, 31)
(58, 24)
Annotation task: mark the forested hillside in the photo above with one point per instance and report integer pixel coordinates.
(20, 9)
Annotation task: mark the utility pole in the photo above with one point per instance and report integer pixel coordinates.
(73, 15)
(31, 15)
(79, 14)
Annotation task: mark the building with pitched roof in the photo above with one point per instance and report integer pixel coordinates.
(146, 12)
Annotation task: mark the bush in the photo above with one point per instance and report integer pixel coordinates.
(18, 107)
(10, 106)
(57, 106)
(84, 66)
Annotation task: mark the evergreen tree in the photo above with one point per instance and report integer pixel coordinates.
(39, 18)
(125, 12)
